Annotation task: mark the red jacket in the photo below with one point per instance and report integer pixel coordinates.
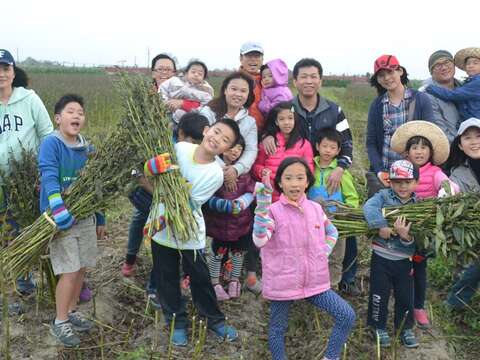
(302, 149)
(253, 110)
(229, 227)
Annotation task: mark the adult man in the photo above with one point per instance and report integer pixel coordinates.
(317, 113)
(251, 59)
(442, 68)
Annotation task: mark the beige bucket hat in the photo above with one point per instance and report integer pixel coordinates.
(430, 131)
(464, 54)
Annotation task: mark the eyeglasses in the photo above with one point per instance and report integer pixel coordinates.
(446, 64)
(163, 70)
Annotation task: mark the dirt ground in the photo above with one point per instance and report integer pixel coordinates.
(129, 329)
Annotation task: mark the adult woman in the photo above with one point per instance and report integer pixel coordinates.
(24, 123)
(395, 105)
(236, 96)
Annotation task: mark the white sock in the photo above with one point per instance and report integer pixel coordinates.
(57, 322)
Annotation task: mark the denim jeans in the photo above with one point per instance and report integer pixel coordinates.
(350, 260)
(464, 289)
(135, 238)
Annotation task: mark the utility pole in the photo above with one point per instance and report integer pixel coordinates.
(18, 57)
(148, 56)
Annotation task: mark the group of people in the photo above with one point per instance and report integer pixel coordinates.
(263, 166)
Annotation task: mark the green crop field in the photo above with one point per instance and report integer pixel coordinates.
(129, 329)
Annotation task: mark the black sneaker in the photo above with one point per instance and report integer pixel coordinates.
(408, 338)
(64, 334)
(349, 288)
(79, 322)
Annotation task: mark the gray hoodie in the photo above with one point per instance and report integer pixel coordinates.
(445, 113)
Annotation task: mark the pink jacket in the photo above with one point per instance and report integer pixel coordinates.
(430, 182)
(295, 256)
(280, 91)
(302, 149)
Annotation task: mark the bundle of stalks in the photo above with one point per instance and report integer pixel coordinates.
(106, 173)
(148, 126)
(21, 187)
(448, 226)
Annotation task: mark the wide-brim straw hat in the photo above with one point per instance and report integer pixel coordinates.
(463, 54)
(430, 131)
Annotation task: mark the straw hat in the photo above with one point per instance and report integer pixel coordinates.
(463, 54)
(441, 146)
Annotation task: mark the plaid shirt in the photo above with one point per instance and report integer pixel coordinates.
(394, 116)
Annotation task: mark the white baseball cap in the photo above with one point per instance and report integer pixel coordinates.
(251, 46)
(472, 122)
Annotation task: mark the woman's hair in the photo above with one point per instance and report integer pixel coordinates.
(272, 128)
(21, 78)
(419, 140)
(380, 89)
(67, 99)
(286, 163)
(199, 63)
(219, 104)
(456, 157)
(163, 56)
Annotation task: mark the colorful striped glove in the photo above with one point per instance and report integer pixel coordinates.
(61, 215)
(242, 202)
(220, 205)
(262, 222)
(159, 164)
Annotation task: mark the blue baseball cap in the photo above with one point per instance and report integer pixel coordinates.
(6, 57)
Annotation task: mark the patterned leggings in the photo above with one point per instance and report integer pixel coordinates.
(328, 301)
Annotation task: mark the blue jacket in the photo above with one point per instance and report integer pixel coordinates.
(423, 111)
(466, 97)
(59, 165)
(372, 211)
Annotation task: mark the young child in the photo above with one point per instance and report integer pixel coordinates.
(426, 146)
(466, 97)
(62, 155)
(229, 222)
(283, 125)
(464, 163)
(191, 86)
(296, 267)
(274, 85)
(391, 265)
(198, 166)
(328, 144)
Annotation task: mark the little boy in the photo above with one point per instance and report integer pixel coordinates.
(328, 144)
(467, 96)
(391, 263)
(61, 157)
(198, 166)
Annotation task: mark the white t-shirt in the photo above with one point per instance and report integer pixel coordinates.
(205, 180)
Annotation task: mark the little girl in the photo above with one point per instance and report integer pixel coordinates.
(229, 222)
(464, 163)
(295, 238)
(417, 141)
(192, 86)
(274, 85)
(283, 125)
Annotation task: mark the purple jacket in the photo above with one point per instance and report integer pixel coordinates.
(229, 227)
(279, 91)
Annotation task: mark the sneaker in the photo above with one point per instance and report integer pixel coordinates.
(408, 338)
(421, 318)
(225, 332)
(64, 334)
(220, 292)
(254, 285)
(349, 288)
(154, 300)
(383, 337)
(85, 294)
(128, 270)
(79, 322)
(13, 309)
(26, 286)
(234, 289)
(179, 337)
